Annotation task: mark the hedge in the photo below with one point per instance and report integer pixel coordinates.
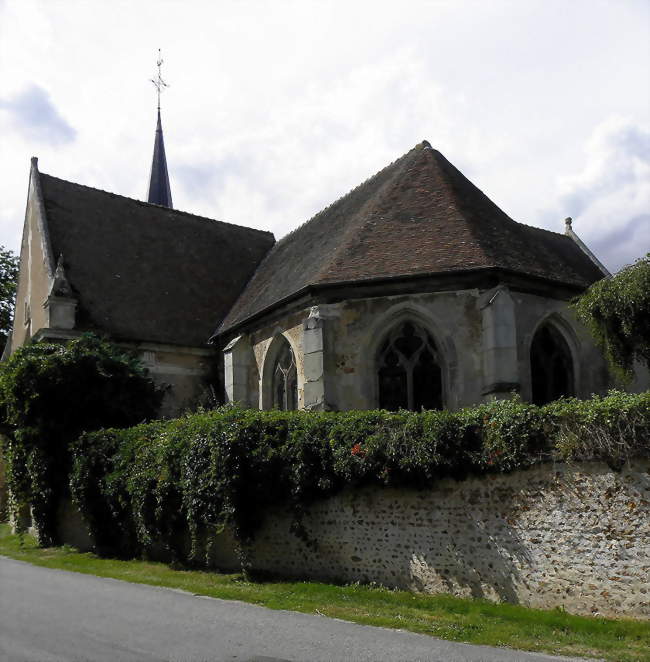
(49, 394)
(142, 487)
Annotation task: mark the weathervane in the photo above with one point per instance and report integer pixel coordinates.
(159, 83)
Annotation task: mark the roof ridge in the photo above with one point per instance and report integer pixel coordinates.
(151, 204)
(536, 227)
(379, 195)
(528, 225)
(319, 213)
(459, 201)
(279, 245)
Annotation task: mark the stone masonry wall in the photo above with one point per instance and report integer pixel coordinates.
(483, 338)
(571, 536)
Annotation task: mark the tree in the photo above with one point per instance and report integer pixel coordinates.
(617, 313)
(49, 394)
(8, 282)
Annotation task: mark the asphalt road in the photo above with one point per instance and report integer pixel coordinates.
(57, 616)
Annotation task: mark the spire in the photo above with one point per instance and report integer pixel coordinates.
(159, 192)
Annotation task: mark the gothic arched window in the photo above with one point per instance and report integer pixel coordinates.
(551, 367)
(408, 370)
(285, 379)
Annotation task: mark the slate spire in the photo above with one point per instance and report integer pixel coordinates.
(159, 192)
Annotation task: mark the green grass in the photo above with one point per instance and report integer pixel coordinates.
(444, 616)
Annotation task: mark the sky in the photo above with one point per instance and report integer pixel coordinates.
(276, 109)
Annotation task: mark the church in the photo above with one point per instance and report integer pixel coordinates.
(414, 290)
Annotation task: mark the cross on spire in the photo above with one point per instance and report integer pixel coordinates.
(159, 192)
(158, 82)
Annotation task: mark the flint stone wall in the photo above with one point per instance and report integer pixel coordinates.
(576, 537)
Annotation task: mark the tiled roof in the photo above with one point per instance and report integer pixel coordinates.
(419, 215)
(145, 272)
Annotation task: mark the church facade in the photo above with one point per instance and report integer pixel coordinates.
(412, 291)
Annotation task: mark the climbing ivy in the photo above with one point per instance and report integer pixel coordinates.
(153, 487)
(617, 313)
(49, 394)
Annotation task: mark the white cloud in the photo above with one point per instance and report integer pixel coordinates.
(276, 109)
(32, 113)
(317, 146)
(610, 196)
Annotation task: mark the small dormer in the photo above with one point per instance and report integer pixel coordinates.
(61, 304)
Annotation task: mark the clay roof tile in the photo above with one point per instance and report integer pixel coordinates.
(419, 215)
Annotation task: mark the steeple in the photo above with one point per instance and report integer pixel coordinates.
(159, 192)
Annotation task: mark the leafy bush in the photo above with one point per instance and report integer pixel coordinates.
(611, 429)
(141, 488)
(617, 313)
(8, 284)
(49, 394)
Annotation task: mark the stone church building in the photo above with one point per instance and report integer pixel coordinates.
(413, 291)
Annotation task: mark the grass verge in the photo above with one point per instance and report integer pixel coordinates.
(444, 616)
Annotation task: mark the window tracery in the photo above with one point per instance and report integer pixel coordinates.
(285, 379)
(409, 370)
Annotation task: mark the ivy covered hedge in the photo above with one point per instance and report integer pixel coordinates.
(617, 313)
(143, 487)
(49, 394)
